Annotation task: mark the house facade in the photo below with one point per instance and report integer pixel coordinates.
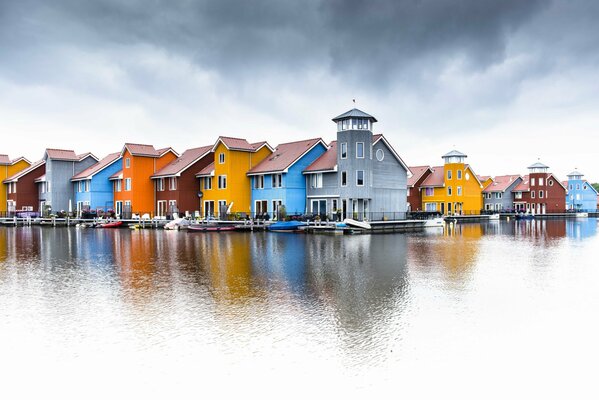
(8, 168)
(278, 182)
(540, 192)
(581, 196)
(93, 189)
(360, 176)
(22, 190)
(498, 196)
(419, 175)
(453, 188)
(177, 188)
(225, 186)
(132, 186)
(56, 189)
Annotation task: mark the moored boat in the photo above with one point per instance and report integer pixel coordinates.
(209, 228)
(525, 216)
(434, 223)
(113, 224)
(286, 226)
(356, 224)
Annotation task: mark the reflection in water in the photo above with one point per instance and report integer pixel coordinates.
(340, 311)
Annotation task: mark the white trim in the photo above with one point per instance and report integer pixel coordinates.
(327, 196)
(363, 150)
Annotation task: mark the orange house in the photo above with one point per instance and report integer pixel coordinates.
(133, 188)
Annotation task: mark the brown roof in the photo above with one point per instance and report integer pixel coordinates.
(207, 170)
(501, 183)
(84, 155)
(144, 150)
(240, 144)
(116, 176)
(523, 186)
(4, 159)
(436, 178)
(483, 178)
(40, 179)
(285, 155)
(417, 173)
(24, 172)
(59, 154)
(97, 167)
(327, 161)
(180, 164)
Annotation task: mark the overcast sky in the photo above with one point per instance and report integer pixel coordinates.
(506, 82)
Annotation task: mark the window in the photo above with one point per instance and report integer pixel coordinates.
(540, 181)
(550, 182)
(532, 194)
(222, 181)
(518, 195)
(497, 206)
(221, 158)
(343, 150)
(259, 182)
(359, 178)
(459, 174)
(459, 189)
(429, 191)
(127, 162)
(583, 188)
(172, 184)
(449, 190)
(430, 207)
(360, 150)
(343, 178)
(316, 181)
(578, 186)
(118, 185)
(277, 180)
(380, 155)
(207, 183)
(86, 185)
(160, 185)
(532, 181)
(541, 194)
(127, 184)
(449, 175)
(498, 195)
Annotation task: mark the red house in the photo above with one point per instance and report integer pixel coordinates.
(22, 188)
(419, 174)
(176, 186)
(540, 192)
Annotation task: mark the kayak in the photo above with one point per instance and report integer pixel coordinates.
(286, 226)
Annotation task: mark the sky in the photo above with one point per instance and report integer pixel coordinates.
(508, 83)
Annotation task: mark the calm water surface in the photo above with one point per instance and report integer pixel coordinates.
(496, 310)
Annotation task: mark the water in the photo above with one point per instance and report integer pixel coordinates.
(503, 309)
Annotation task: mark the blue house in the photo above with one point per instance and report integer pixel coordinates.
(278, 180)
(581, 195)
(92, 187)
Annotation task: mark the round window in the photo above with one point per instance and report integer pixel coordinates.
(550, 182)
(380, 154)
(467, 176)
(585, 187)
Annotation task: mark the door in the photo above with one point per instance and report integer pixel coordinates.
(222, 209)
(119, 208)
(161, 207)
(442, 208)
(209, 208)
(276, 204)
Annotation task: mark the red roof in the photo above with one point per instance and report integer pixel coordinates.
(523, 186)
(239, 144)
(501, 183)
(84, 155)
(326, 162)
(436, 178)
(207, 170)
(59, 154)
(483, 178)
(97, 167)
(116, 176)
(417, 173)
(180, 164)
(285, 155)
(24, 172)
(144, 150)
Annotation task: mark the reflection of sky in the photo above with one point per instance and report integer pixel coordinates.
(581, 228)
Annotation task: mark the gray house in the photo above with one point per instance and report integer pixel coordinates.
(360, 176)
(55, 187)
(498, 195)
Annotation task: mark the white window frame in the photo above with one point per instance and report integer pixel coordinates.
(222, 182)
(127, 162)
(259, 182)
(172, 183)
(343, 153)
(277, 180)
(316, 181)
(449, 191)
(459, 176)
(341, 176)
(459, 190)
(160, 185)
(208, 183)
(128, 184)
(358, 177)
(363, 150)
(449, 174)
(221, 158)
(86, 185)
(118, 185)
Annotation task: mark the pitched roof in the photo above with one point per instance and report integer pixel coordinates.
(143, 150)
(97, 167)
(538, 165)
(232, 143)
(40, 179)
(85, 155)
(436, 178)
(377, 138)
(354, 113)
(63, 155)
(417, 173)
(454, 153)
(24, 172)
(4, 159)
(523, 186)
(326, 162)
(186, 160)
(285, 155)
(575, 173)
(116, 176)
(208, 170)
(501, 183)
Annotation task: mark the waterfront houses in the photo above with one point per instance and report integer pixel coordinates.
(540, 192)
(581, 195)
(132, 186)
(177, 188)
(225, 185)
(453, 188)
(23, 191)
(360, 176)
(419, 175)
(56, 189)
(93, 189)
(9, 168)
(498, 195)
(278, 182)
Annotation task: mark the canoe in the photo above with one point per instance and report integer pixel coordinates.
(286, 226)
(356, 224)
(209, 228)
(114, 224)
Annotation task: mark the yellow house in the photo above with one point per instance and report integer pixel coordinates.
(453, 188)
(224, 185)
(9, 168)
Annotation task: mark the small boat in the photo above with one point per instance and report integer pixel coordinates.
(113, 224)
(582, 215)
(352, 223)
(494, 217)
(434, 223)
(178, 223)
(525, 216)
(209, 228)
(286, 226)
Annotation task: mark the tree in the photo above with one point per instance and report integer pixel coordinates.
(596, 186)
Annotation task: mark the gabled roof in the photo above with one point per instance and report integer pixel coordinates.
(354, 113)
(454, 153)
(116, 176)
(436, 178)
(538, 165)
(483, 178)
(97, 167)
(417, 173)
(502, 183)
(327, 162)
(5, 160)
(377, 138)
(146, 150)
(40, 179)
(558, 181)
(85, 155)
(62, 155)
(182, 163)
(523, 186)
(285, 155)
(18, 175)
(239, 144)
(208, 170)
(575, 173)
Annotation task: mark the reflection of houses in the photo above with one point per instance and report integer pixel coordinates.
(498, 195)
(360, 174)
(22, 189)
(176, 184)
(540, 192)
(419, 175)
(8, 168)
(582, 196)
(93, 190)
(453, 188)
(278, 181)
